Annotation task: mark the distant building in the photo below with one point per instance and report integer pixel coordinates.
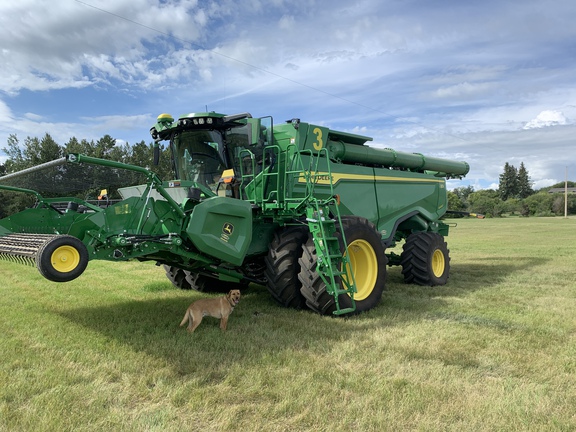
(561, 190)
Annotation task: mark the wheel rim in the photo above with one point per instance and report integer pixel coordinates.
(65, 259)
(364, 264)
(438, 263)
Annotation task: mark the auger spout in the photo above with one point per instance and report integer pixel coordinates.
(353, 153)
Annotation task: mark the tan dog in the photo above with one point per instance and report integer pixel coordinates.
(220, 307)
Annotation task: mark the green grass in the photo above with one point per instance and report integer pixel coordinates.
(494, 349)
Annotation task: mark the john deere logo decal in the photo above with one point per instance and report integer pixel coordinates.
(227, 230)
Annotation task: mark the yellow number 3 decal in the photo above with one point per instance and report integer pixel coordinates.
(319, 142)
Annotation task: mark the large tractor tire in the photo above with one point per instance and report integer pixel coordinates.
(282, 266)
(367, 261)
(62, 259)
(187, 280)
(425, 259)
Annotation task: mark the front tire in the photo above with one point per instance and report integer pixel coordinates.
(282, 266)
(367, 261)
(62, 258)
(187, 280)
(425, 259)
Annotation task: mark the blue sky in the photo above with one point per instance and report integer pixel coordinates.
(486, 82)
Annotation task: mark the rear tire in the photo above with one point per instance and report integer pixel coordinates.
(62, 258)
(425, 259)
(178, 277)
(282, 266)
(367, 260)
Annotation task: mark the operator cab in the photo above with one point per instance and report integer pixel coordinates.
(206, 145)
(198, 156)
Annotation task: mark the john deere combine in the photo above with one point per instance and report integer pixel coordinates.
(305, 210)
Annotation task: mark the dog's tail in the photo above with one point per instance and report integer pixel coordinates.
(186, 318)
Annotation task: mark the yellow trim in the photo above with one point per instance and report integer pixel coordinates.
(438, 263)
(323, 178)
(364, 264)
(65, 259)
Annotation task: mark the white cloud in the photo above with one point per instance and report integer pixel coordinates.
(53, 45)
(462, 90)
(33, 117)
(546, 118)
(5, 112)
(545, 182)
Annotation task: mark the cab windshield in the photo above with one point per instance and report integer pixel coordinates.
(203, 155)
(198, 157)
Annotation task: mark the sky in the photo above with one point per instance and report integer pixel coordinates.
(487, 82)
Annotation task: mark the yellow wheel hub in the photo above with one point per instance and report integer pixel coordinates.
(364, 264)
(438, 263)
(65, 259)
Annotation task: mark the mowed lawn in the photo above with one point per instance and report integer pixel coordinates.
(493, 350)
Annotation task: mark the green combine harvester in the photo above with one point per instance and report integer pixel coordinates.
(304, 210)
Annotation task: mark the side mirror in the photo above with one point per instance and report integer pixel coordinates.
(156, 154)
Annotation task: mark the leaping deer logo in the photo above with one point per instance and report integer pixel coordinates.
(228, 228)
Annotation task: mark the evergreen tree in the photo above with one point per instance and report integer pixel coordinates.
(508, 186)
(83, 147)
(49, 149)
(39, 151)
(524, 183)
(104, 147)
(141, 155)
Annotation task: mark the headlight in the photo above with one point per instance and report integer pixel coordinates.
(190, 119)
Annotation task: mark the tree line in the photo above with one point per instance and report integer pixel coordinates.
(514, 196)
(35, 151)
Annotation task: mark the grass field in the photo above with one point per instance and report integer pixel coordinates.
(493, 350)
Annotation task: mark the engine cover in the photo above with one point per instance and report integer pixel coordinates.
(222, 227)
